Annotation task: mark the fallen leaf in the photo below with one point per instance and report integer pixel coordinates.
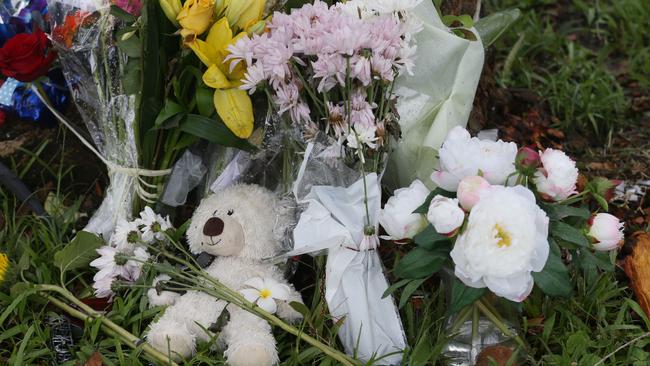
(637, 269)
(94, 360)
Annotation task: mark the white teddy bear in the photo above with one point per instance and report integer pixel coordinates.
(240, 225)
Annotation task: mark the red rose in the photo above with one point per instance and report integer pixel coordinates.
(25, 57)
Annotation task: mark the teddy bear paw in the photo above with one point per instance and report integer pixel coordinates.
(252, 355)
(173, 338)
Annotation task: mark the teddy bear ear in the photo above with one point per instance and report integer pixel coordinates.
(286, 211)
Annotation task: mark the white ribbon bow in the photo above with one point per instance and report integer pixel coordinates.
(355, 283)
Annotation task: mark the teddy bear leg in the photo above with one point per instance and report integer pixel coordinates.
(249, 340)
(182, 323)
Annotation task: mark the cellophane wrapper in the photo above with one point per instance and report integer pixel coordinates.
(83, 33)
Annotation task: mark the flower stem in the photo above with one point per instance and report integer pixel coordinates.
(89, 313)
(496, 320)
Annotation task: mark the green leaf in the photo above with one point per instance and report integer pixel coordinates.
(494, 25)
(301, 308)
(462, 296)
(409, 290)
(424, 207)
(132, 79)
(429, 237)
(169, 110)
(121, 14)
(559, 212)
(601, 201)
(131, 46)
(215, 131)
(79, 252)
(420, 263)
(204, 101)
(392, 288)
(566, 232)
(554, 279)
(466, 20)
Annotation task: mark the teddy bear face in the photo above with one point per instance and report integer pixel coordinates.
(237, 221)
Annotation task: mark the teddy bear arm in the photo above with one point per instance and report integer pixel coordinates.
(285, 311)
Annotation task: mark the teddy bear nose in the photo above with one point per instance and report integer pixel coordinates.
(213, 227)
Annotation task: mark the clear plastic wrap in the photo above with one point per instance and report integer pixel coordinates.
(186, 175)
(83, 35)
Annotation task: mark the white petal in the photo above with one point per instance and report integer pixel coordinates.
(267, 304)
(256, 283)
(279, 291)
(515, 288)
(250, 294)
(444, 180)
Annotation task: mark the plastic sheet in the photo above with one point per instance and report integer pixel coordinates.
(186, 175)
(436, 98)
(93, 67)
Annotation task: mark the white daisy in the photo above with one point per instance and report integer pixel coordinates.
(126, 236)
(152, 225)
(264, 292)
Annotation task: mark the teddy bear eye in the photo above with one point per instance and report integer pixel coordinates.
(230, 212)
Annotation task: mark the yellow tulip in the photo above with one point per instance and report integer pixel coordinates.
(243, 13)
(171, 8)
(233, 105)
(195, 16)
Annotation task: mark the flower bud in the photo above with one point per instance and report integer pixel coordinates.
(606, 230)
(257, 28)
(527, 161)
(445, 215)
(243, 13)
(171, 8)
(470, 189)
(397, 216)
(556, 179)
(196, 15)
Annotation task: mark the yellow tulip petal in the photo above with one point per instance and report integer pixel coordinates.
(205, 52)
(215, 78)
(220, 35)
(235, 108)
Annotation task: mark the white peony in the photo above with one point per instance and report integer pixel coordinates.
(445, 215)
(462, 156)
(505, 240)
(397, 216)
(558, 175)
(470, 190)
(607, 230)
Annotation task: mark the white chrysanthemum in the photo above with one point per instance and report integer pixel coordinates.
(264, 292)
(103, 287)
(445, 215)
(558, 175)
(164, 297)
(505, 240)
(112, 263)
(397, 216)
(462, 156)
(152, 225)
(126, 236)
(607, 230)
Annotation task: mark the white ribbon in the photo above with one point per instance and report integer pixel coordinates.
(138, 173)
(334, 221)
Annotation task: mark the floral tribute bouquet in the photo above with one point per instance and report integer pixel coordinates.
(503, 220)
(329, 73)
(25, 56)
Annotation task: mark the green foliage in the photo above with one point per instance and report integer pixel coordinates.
(462, 296)
(78, 253)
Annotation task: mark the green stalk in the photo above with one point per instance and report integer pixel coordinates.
(89, 313)
(496, 320)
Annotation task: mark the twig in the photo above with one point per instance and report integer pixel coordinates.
(602, 360)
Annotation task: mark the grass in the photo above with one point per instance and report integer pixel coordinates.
(576, 55)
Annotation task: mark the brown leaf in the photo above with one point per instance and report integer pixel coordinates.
(94, 360)
(637, 268)
(499, 354)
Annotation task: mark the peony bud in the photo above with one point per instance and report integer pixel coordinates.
(557, 177)
(445, 215)
(527, 160)
(606, 230)
(470, 189)
(397, 216)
